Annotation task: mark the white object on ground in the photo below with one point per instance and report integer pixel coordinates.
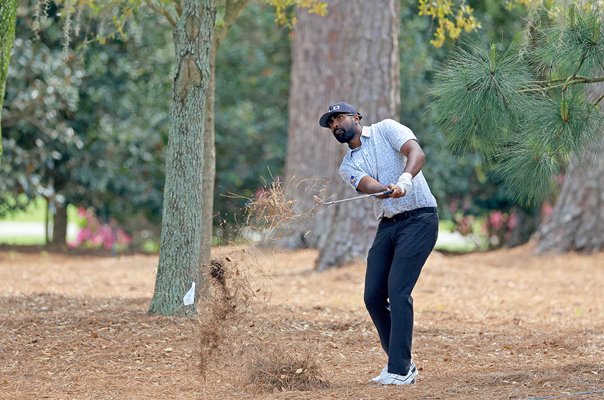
(190, 296)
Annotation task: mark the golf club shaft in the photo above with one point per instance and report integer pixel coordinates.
(359, 197)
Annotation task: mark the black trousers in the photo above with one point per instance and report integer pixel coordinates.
(400, 249)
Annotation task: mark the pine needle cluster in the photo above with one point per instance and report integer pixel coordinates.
(526, 109)
(479, 98)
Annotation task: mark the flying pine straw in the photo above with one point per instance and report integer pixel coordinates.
(270, 207)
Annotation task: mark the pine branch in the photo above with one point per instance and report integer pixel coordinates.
(583, 58)
(562, 83)
(525, 110)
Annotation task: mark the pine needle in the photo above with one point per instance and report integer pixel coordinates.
(270, 207)
(280, 370)
(479, 99)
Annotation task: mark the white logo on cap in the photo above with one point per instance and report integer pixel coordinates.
(334, 108)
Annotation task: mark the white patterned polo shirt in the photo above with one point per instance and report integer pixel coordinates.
(379, 156)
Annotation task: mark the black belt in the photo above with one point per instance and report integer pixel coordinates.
(410, 213)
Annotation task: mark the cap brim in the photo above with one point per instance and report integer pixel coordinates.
(324, 120)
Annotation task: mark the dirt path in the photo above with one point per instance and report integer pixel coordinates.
(500, 325)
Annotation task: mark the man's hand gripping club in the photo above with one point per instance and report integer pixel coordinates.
(403, 185)
(415, 162)
(399, 189)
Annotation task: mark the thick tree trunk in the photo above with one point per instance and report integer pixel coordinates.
(577, 222)
(59, 226)
(8, 18)
(181, 237)
(350, 55)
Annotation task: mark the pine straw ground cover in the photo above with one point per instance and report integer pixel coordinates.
(501, 325)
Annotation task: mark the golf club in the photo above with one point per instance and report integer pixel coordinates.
(328, 203)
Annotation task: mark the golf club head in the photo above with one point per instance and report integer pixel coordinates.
(317, 199)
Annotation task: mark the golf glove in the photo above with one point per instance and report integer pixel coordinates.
(404, 182)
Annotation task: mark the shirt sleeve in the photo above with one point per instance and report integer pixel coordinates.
(397, 134)
(351, 174)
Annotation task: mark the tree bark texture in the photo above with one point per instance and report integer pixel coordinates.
(59, 226)
(577, 222)
(8, 18)
(232, 11)
(350, 55)
(209, 169)
(47, 222)
(181, 237)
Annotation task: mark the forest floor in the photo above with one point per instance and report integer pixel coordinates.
(507, 324)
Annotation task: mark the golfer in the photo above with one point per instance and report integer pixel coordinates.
(386, 156)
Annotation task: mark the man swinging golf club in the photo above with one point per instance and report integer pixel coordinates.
(386, 156)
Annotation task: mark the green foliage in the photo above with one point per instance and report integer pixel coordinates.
(107, 18)
(284, 9)
(252, 82)
(461, 183)
(562, 123)
(89, 130)
(41, 96)
(114, 161)
(575, 45)
(479, 92)
(536, 158)
(34, 212)
(8, 15)
(502, 23)
(123, 159)
(521, 109)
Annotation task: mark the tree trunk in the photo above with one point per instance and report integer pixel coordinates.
(59, 226)
(209, 172)
(47, 222)
(181, 237)
(351, 55)
(233, 9)
(577, 222)
(8, 18)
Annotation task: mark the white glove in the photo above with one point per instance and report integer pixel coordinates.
(404, 182)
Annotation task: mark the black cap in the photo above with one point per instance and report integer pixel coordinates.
(338, 108)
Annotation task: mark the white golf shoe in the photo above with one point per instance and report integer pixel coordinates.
(377, 378)
(386, 378)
